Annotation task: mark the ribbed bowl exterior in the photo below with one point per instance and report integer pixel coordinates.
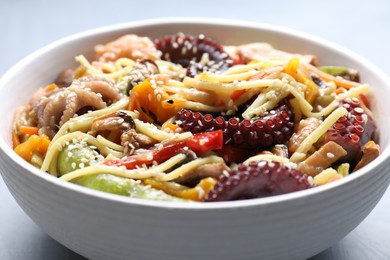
(105, 229)
(100, 226)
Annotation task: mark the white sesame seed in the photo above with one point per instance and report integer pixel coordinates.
(358, 110)
(262, 164)
(225, 173)
(183, 50)
(365, 118)
(73, 165)
(330, 155)
(230, 112)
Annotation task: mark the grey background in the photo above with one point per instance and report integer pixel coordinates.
(25, 26)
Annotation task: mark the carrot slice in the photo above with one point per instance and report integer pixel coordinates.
(340, 82)
(29, 130)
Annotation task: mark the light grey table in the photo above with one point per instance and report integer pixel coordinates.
(28, 25)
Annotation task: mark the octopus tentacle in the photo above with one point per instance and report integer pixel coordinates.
(52, 110)
(101, 85)
(78, 99)
(256, 180)
(274, 128)
(58, 107)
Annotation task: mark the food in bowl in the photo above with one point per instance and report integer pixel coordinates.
(185, 118)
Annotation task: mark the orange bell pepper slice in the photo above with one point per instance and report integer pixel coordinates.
(153, 103)
(34, 143)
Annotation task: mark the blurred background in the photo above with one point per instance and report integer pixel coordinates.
(26, 26)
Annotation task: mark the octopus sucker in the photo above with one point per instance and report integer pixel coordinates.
(274, 128)
(196, 53)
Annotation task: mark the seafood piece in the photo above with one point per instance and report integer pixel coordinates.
(274, 128)
(64, 79)
(264, 51)
(257, 180)
(136, 140)
(191, 178)
(119, 120)
(128, 46)
(328, 154)
(353, 130)
(56, 108)
(197, 54)
(305, 128)
(370, 151)
(141, 70)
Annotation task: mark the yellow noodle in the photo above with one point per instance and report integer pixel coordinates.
(191, 94)
(54, 148)
(157, 134)
(115, 74)
(267, 105)
(124, 62)
(109, 144)
(197, 106)
(267, 157)
(84, 122)
(256, 65)
(226, 77)
(189, 167)
(140, 173)
(264, 102)
(175, 83)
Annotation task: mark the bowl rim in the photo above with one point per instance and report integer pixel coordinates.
(14, 158)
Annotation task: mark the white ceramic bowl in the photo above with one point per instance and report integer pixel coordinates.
(105, 226)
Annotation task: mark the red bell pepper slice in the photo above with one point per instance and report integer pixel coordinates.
(198, 143)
